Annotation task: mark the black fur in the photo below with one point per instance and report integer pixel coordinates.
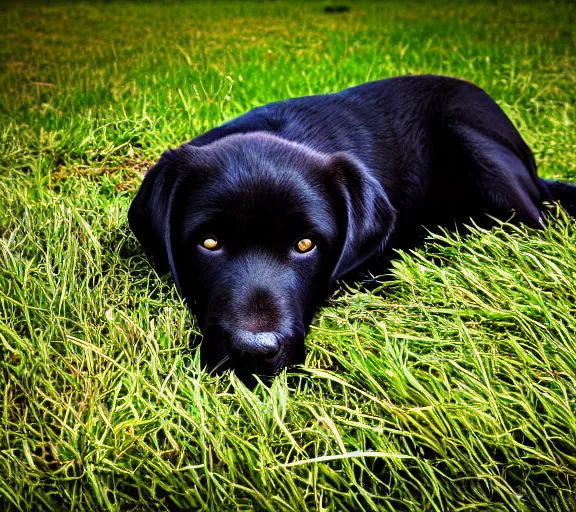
(358, 172)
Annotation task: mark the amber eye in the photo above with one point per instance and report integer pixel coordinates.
(305, 245)
(211, 244)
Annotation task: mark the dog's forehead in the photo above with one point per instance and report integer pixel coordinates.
(264, 201)
(253, 182)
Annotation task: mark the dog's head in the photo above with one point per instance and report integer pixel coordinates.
(254, 230)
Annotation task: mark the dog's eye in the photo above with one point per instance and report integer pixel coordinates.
(211, 244)
(305, 245)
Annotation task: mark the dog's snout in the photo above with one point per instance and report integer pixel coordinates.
(265, 344)
(261, 313)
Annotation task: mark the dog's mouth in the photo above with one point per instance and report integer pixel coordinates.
(245, 365)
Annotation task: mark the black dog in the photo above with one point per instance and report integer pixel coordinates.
(259, 216)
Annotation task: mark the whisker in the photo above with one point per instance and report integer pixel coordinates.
(222, 362)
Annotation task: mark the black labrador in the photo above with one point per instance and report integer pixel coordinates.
(257, 218)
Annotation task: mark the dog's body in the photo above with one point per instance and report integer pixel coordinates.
(353, 174)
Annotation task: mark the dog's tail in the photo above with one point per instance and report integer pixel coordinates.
(563, 192)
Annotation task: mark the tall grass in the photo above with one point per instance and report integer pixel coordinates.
(450, 387)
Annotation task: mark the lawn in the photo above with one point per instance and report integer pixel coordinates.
(452, 386)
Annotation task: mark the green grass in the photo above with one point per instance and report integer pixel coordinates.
(453, 387)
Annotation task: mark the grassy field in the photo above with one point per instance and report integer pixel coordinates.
(453, 387)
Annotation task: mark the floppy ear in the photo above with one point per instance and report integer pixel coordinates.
(368, 216)
(150, 213)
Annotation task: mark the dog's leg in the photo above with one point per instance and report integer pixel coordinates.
(502, 180)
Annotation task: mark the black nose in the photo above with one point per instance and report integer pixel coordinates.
(265, 344)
